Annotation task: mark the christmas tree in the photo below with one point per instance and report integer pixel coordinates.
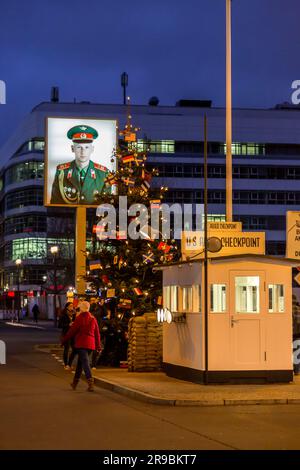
(120, 267)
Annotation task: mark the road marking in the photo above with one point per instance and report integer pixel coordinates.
(24, 326)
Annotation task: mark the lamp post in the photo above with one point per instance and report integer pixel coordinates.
(228, 115)
(18, 265)
(54, 252)
(43, 302)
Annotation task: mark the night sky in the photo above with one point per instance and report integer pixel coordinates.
(170, 48)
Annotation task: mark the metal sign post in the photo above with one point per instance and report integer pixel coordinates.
(228, 115)
(205, 254)
(80, 250)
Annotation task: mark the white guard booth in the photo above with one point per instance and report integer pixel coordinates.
(249, 320)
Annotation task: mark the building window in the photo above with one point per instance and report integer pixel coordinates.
(187, 299)
(27, 197)
(37, 248)
(156, 146)
(250, 149)
(174, 298)
(276, 298)
(24, 171)
(247, 294)
(218, 298)
(198, 298)
(167, 297)
(25, 224)
(170, 298)
(33, 145)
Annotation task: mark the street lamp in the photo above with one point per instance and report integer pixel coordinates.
(18, 264)
(44, 279)
(54, 252)
(44, 301)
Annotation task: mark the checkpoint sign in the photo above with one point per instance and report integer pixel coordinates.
(293, 235)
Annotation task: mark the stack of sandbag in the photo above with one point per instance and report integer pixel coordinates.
(137, 334)
(144, 343)
(153, 343)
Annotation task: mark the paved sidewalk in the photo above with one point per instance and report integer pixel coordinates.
(157, 388)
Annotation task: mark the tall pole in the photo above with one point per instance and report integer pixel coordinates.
(18, 287)
(124, 84)
(205, 255)
(228, 115)
(55, 289)
(18, 265)
(80, 250)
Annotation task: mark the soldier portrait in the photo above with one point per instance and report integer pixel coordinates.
(80, 179)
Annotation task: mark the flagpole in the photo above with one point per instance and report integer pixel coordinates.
(205, 256)
(228, 115)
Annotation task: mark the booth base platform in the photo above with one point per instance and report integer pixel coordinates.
(227, 376)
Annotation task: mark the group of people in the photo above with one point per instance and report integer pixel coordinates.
(93, 333)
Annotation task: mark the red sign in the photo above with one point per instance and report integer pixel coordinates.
(10, 294)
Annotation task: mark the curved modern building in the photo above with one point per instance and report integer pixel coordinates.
(266, 174)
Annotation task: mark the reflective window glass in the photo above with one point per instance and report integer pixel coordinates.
(247, 294)
(187, 299)
(218, 298)
(276, 298)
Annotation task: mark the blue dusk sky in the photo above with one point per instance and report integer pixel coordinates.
(169, 48)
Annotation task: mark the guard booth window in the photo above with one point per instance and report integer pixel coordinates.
(187, 299)
(174, 299)
(170, 298)
(247, 294)
(218, 298)
(276, 298)
(166, 297)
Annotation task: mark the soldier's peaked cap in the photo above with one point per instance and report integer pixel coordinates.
(82, 133)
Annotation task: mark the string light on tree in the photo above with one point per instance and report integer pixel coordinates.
(126, 263)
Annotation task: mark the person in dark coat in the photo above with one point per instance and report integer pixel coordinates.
(36, 312)
(65, 323)
(85, 330)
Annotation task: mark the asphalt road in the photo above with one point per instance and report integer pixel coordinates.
(38, 410)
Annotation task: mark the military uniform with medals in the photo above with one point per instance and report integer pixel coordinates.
(73, 185)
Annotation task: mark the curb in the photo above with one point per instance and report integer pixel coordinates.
(147, 398)
(131, 393)
(141, 396)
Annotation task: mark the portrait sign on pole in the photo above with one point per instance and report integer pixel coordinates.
(78, 159)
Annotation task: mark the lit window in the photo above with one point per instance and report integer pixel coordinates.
(187, 299)
(156, 146)
(239, 148)
(198, 298)
(38, 248)
(167, 297)
(174, 298)
(218, 298)
(214, 218)
(247, 294)
(276, 298)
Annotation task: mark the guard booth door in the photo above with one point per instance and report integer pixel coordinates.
(247, 320)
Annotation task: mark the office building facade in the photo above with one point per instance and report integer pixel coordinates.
(266, 175)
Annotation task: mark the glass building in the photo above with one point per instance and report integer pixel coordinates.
(266, 174)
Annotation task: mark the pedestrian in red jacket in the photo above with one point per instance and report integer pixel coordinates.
(86, 339)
